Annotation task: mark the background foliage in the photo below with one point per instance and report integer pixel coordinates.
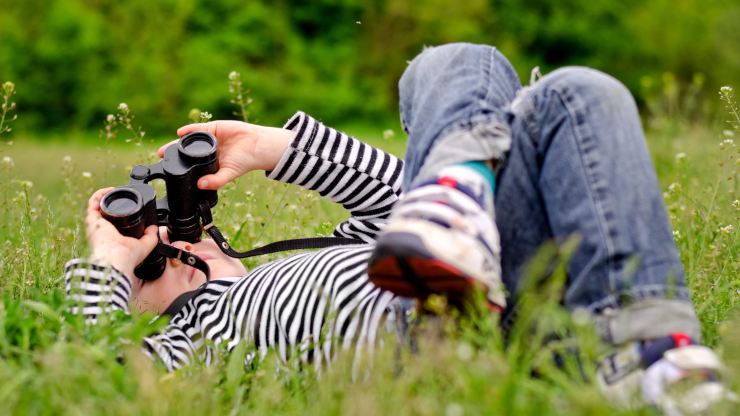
(74, 61)
(340, 59)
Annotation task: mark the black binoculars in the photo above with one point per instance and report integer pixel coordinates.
(185, 210)
(133, 207)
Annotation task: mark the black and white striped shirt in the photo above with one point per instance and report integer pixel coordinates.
(313, 303)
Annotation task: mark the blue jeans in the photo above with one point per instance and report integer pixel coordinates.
(571, 161)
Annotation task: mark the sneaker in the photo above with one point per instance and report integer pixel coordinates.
(441, 239)
(673, 373)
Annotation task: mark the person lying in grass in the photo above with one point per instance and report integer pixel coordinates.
(563, 157)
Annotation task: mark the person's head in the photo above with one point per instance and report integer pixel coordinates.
(178, 278)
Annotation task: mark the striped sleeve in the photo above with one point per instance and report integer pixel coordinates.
(181, 342)
(93, 290)
(310, 306)
(364, 180)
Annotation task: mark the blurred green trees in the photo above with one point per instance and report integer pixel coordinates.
(75, 60)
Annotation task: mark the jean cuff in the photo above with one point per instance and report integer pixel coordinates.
(647, 319)
(482, 137)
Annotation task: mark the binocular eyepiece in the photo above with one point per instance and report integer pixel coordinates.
(133, 207)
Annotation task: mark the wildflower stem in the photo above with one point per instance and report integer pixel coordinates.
(7, 106)
(727, 94)
(2, 117)
(239, 96)
(707, 220)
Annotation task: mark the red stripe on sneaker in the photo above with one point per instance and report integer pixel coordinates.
(680, 339)
(447, 181)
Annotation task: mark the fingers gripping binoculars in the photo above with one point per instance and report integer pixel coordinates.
(134, 207)
(185, 210)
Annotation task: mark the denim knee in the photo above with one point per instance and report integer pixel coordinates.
(571, 87)
(591, 84)
(431, 63)
(433, 58)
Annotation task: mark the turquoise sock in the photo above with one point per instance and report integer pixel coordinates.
(484, 170)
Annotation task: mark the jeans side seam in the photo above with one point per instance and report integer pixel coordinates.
(584, 140)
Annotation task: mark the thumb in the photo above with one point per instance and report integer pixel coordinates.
(218, 179)
(150, 238)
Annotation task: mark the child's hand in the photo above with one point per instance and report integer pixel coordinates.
(108, 246)
(242, 148)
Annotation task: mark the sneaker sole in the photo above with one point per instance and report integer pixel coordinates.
(404, 265)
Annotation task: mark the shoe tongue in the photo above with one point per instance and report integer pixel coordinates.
(653, 350)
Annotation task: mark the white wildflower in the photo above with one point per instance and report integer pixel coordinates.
(388, 133)
(464, 351)
(728, 134)
(123, 107)
(233, 76)
(676, 235)
(86, 175)
(727, 229)
(110, 118)
(736, 204)
(7, 160)
(674, 187)
(67, 159)
(726, 89)
(680, 157)
(454, 409)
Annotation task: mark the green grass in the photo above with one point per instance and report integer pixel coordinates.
(51, 363)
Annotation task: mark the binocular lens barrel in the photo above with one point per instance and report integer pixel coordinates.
(198, 147)
(121, 202)
(133, 207)
(123, 208)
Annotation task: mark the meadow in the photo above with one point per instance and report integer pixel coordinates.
(52, 363)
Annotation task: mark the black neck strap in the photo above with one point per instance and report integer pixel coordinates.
(213, 231)
(278, 246)
(184, 256)
(179, 302)
(191, 260)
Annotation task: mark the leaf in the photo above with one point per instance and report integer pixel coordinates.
(238, 233)
(43, 309)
